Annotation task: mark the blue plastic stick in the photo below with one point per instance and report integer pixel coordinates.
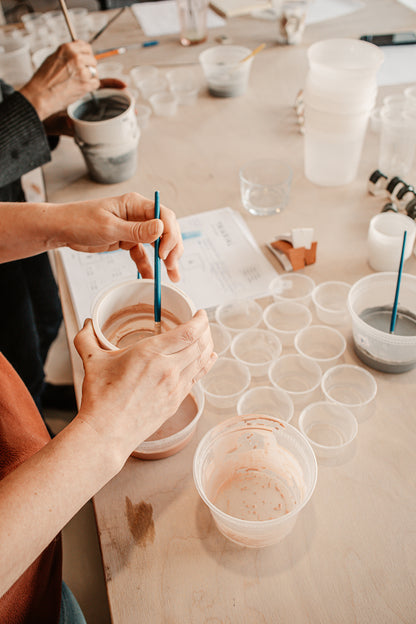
(399, 279)
(158, 291)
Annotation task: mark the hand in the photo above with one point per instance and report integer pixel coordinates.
(128, 394)
(63, 78)
(123, 222)
(60, 123)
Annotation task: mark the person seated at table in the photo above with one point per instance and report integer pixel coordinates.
(126, 396)
(30, 121)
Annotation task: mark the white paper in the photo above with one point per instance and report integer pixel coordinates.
(321, 10)
(410, 4)
(161, 18)
(221, 262)
(399, 65)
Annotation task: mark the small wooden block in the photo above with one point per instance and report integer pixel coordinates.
(310, 254)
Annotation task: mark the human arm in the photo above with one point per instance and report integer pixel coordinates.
(42, 494)
(96, 225)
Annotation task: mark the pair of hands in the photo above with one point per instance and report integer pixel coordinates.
(64, 77)
(128, 394)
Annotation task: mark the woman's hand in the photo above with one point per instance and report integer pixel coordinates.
(124, 222)
(64, 77)
(129, 393)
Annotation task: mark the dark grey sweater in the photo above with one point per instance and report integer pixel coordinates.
(23, 142)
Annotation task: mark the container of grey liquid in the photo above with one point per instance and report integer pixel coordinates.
(107, 134)
(370, 304)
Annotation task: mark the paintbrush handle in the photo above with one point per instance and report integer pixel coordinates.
(157, 293)
(68, 20)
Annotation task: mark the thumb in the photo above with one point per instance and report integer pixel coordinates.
(86, 342)
(146, 231)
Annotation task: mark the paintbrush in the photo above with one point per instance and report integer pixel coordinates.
(157, 293)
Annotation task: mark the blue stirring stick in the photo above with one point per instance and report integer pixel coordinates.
(399, 279)
(158, 292)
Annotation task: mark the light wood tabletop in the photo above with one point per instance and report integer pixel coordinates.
(351, 555)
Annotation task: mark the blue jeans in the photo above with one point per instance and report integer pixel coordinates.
(70, 610)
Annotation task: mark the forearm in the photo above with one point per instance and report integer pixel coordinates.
(45, 492)
(28, 229)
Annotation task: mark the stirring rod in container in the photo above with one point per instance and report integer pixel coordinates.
(157, 293)
(399, 278)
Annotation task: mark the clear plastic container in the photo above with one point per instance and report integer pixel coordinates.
(257, 349)
(143, 72)
(177, 432)
(164, 103)
(324, 345)
(293, 287)
(143, 114)
(351, 386)
(300, 377)
(370, 303)
(330, 299)
(286, 318)
(225, 75)
(226, 382)
(266, 401)
(255, 474)
(239, 315)
(183, 85)
(331, 430)
(221, 339)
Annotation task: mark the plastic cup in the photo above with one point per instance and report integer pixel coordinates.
(397, 141)
(221, 339)
(352, 387)
(370, 303)
(239, 315)
(324, 345)
(265, 186)
(32, 21)
(255, 474)
(226, 382)
(132, 301)
(183, 85)
(150, 86)
(143, 72)
(330, 300)
(192, 21)
(385, 240)
(143, 113)
(286, 318)
(164, 103)
(330, 429)
(172, 437)
(225, 75)
(344, 63)
(257, 349)
(294, 287)
(15, 61)
(266, 401)
(298, 376)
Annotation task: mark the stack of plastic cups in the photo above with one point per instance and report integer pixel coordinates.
(340, 93)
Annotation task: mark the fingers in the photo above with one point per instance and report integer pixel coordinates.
(186, 340)
(140, 257)
(86, 342)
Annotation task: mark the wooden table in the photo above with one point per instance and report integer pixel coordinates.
(351, 556)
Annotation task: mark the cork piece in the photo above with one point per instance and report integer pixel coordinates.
(299, 256)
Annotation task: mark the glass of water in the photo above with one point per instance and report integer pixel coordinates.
(265, 186)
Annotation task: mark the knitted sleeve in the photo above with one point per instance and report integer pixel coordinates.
(23, 142)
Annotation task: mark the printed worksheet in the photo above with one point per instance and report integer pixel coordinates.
(221, 262)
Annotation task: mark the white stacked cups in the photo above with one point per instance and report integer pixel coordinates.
(340, 93)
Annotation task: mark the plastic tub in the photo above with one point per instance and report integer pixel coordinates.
(330, 428)
(221, 339)
(330, 300)
(324, 345)
(255, 474)
(294, 287)
(239, 315)
(266, 401)
(370, 303)
(298, 376)
(351, 386)
(226, 382)
(286, 318)
(164, 103)
(225, 75)
(257, 349)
